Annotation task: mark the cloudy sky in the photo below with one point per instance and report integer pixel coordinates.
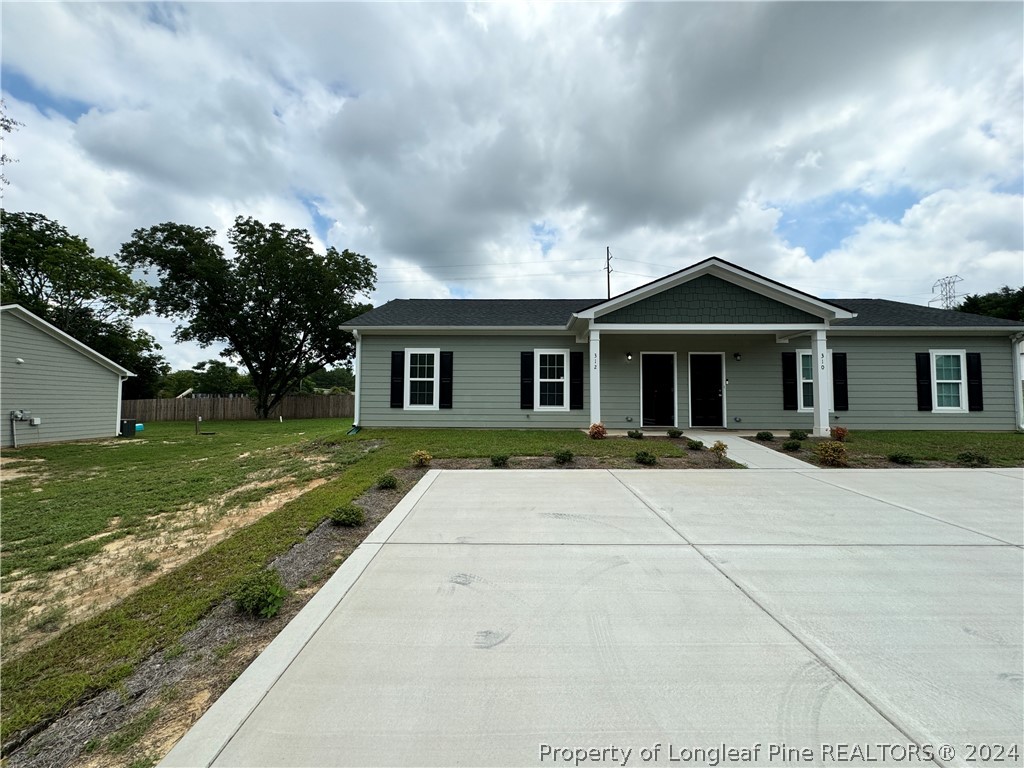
(496, 150)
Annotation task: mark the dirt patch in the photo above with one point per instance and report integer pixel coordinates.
(15, 468)
(130, 562)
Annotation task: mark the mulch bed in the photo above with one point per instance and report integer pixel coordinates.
(856, 460)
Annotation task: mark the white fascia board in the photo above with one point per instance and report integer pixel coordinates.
(922, 330)
(37, 322)
(460, 330)
(730, 274)
(708, 328)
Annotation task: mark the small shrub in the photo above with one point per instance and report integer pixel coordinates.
(900, 458)
(765, 436)
(636, 434)
(674, 433)
(261, 595)
(563, 456)
(831, 453)
(421, 459)
(791, 445)
(348, 516)
(719, 449)
(695, 445)
(839, 434)
(646, 458)
(597, 431)
(388, 482)
(972, 459)
(798, 434)
(499, 460)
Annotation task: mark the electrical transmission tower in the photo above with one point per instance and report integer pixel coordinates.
(947, 291)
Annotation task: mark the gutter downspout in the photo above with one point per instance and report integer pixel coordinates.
(1016, 347)
(359, 383)
(117, 421)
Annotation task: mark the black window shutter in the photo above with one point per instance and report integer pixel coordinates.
(576, 381)
(398, 378)
(840, 388)
(924, 381)
(526, 380)
(974, 398)
(444, 397)
(789, 399)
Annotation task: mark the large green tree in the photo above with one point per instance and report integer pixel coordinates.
(277, 305)
(57, 276)
(1007, 303)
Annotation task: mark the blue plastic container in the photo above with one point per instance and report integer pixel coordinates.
(139, 427)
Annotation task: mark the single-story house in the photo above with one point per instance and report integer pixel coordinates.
(712, 345)
(52, 386)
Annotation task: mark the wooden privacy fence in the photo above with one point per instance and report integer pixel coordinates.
(234, 408)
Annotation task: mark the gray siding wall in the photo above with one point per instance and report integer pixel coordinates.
(75, 397)
(881, 374)
(485, 383)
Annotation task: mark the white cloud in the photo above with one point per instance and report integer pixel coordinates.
(432, 136)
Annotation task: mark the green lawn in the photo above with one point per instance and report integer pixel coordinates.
(1004, 449)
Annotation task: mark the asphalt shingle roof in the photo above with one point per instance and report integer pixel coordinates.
(426, 313)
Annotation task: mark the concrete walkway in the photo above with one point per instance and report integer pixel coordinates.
(747, 452)
(651, 617)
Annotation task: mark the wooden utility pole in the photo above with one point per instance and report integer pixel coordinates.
(608, 267)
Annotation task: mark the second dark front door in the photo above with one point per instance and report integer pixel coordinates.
(706, 391)
(658, 388)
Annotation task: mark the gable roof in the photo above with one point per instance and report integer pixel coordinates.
(883, 312)
(16, 310)
(731, 273)
(471, 313)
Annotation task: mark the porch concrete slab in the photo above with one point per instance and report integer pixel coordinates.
(531, 507)
(747, 452)
(734, 507)
(477, 655)
(989, 502)
(932, 635)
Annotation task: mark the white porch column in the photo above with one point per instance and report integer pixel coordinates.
(819, 351)
(356, 370)
(595, 377)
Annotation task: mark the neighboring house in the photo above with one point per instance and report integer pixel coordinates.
(70, 391)
(713, 345)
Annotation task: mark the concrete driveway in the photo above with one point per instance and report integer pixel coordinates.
(640, 617)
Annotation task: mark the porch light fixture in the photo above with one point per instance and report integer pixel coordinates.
(629, 356)
(737, 356)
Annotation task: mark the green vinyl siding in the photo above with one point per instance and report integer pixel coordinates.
(880, 372)
(75, 397)
(485, 383)
(707, 299)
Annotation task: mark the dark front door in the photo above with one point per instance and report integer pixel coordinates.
(658, 389)
(706, 391)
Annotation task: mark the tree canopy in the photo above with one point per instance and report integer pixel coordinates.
(1007, 303)
(277, 305)
(57, 276)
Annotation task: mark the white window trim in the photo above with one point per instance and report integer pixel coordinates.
(537, 380)
(408, 379)
(800, 381)
(962, 354)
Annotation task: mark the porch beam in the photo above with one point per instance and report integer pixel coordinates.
(819, 351)
(595, 377)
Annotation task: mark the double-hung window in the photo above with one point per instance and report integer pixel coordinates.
(421, 367)
(948, 380)
(805, 379)
(551, 366)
